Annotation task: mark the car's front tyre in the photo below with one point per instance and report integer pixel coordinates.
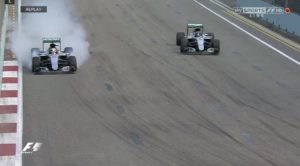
(179, 36)
(216, 44)
(73, 63)
(68, 50)
(183, 44)
(35, 64)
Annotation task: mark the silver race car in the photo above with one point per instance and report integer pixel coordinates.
(52, 59)
(197, 42)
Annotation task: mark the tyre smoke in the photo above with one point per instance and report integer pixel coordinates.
(57, 22)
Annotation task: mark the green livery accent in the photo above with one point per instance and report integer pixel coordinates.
(195, 25)
(51, 40)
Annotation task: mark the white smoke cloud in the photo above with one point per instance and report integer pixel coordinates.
(57, 22)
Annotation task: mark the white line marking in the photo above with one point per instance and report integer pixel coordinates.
(19, 19)
(9, 101)
(222, 5)
(20, 119)
(8, 138)
(225, 5)
(10, 63)
(9, 86)
(10, 74)
(7, 160)
(8, 118)
(250, 34)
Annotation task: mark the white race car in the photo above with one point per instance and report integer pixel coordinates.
(197, 42)
(53, 59)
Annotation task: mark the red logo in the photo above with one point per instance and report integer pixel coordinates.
(287, 10)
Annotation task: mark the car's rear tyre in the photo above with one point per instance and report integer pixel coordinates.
(183, 44)
(73, 63)
(179, 36)
(216, 44)
(68, 50)
(35, 52)
(35, 64)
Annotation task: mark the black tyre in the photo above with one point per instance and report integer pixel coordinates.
(35, 52)
(36, 64)
(73, 63)
(68, 50)
(183, 44)
(212, 35)
(179, 36)
(216, 44)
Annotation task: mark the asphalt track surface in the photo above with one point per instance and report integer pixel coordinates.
(138, 101)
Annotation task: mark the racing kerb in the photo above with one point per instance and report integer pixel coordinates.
(10, 98)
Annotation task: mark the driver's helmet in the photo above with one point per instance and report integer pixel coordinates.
(197, 32)
(52, 45)
(53, 50)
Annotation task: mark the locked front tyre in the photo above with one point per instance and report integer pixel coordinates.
(73, 63)
(36, 64)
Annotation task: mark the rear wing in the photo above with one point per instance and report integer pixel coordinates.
(50, 40)
(194, 25)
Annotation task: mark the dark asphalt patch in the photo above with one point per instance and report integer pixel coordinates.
(136, 139)
(120, 109)
(108, 86)
(257, 67)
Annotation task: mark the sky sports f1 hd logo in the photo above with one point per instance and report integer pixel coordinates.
(261, 10)
(31, 147)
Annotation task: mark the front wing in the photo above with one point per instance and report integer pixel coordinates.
(193, 51)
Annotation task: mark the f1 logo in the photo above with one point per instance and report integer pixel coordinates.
(31, 147)
(9, 2)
